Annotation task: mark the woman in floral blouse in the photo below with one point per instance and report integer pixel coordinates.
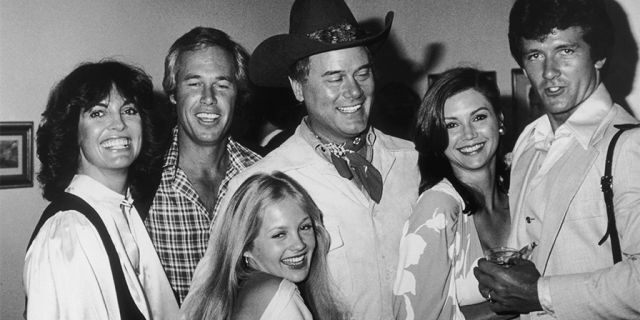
(463, 206)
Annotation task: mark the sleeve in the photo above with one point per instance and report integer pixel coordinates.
(286, 304)
(293, 309)
(59, 279)
(614, 292)
(424, 274)
(544, 295)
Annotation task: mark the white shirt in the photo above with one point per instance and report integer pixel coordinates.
(550, 147)
(286, 304)
(67, 273)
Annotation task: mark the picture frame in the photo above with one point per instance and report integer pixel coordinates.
(16, 155)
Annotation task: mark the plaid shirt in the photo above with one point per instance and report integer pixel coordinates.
(178, 222)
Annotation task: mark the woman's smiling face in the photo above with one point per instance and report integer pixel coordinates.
(285, 242)
(109, 136)
(472, 126)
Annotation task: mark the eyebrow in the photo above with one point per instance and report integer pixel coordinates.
(472, 112)
(190, 76)
(366, 66)
(332, 72)
(571, 45)
(282, 227)
(305, 220)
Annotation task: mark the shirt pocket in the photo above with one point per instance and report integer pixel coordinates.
(585, 208)
(338, 264)
(336, 237)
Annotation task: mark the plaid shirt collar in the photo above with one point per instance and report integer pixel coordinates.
(178, 223)
(240, 158)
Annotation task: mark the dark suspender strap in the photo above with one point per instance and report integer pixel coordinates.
(67, 201)
(606, 182)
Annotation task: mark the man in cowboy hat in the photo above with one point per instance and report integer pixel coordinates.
(364, 181)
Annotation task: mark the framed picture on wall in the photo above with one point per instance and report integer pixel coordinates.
(16, 155)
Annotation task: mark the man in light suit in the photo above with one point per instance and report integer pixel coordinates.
(364, 181)
(555, 195)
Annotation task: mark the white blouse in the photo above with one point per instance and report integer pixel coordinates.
(67, 273)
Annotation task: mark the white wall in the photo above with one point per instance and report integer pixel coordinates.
(41, 41)
(632, 10)
(466, 32)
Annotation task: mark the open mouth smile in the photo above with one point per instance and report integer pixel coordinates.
(295, 262)
(468, 150)
(116, 143)
(207, 116)
(350, 109)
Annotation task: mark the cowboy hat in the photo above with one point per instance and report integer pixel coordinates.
(315, 26)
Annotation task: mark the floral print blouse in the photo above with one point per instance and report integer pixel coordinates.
(438, 250)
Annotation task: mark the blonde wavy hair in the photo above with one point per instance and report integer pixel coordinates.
(233, 235)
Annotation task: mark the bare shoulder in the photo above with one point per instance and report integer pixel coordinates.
(255, 294)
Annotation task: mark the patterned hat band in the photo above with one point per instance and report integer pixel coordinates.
(340, 33)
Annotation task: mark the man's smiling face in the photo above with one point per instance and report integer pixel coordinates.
(338, 93)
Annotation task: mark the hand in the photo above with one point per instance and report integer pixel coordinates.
(509, 289)
(482, 311)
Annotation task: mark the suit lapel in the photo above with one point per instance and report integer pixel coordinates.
(520, 178)
(384, 163)
(568, 175)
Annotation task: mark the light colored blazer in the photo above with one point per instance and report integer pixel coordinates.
(365, 236)
(583, 282)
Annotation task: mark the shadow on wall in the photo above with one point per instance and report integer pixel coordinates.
(621, 66)
(396, 102)
(270, 118)
(394, 110)
(166, 116)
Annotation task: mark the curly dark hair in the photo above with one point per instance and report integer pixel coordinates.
(84, 87)
(431, 137)
(535, 19)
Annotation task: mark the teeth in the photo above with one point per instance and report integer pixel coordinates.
(350, 109)
(293, 260)
(472, 148)
(554, 89)
(115, 144)
(205, 116)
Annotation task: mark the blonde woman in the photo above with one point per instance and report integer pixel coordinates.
(270, 261)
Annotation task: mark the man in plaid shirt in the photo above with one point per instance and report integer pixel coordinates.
(205, 78)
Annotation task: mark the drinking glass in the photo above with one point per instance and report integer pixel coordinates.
(501, 255)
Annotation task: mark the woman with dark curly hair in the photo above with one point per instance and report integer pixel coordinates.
(90, 256)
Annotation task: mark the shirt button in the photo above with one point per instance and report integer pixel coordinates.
(529, 219)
